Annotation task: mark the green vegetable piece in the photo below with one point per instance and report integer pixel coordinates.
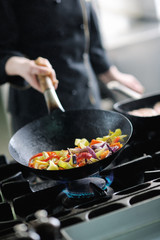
(52, 166)
(64, 165)
(82, 143)
(99, 153)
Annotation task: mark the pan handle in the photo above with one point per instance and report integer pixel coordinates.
(113, 85)
(50, 95)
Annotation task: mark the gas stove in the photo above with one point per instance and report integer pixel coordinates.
(125, 196)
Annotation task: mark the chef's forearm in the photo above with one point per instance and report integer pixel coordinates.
(14, 65)
(28, 70)
(128, 80)
(111, 74)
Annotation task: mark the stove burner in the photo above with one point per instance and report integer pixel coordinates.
(84, 192)
(83, 188)
(109, 178)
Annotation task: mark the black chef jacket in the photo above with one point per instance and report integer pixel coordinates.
(53, 29)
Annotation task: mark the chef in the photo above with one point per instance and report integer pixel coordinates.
(66, 35)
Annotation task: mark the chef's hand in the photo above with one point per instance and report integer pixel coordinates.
(29, 70)
(128, 80)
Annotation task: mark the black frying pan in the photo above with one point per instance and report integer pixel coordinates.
(140, 124)
(59, 130)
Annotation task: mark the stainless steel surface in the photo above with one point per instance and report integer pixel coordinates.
(52, 100)
(128, 224)
(132, 210)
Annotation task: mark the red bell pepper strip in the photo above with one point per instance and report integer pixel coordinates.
(53, 155)
(83, 155)
(81, 164)
(36, 155)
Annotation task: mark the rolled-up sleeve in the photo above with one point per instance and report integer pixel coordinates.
(98, 55)
(8, 38)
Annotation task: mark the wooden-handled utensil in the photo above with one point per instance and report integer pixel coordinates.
(49, 92)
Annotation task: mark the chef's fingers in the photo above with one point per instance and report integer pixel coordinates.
(40, 70)
(33, 81)
(132, 82)
(44, 71)
(43, 62)
(53, 78)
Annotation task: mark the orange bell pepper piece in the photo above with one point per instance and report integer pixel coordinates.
(104, 154)
(116, 140)
(94, 141)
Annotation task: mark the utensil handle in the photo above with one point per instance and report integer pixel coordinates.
(113, 85)
(50, 95)
(45, 83)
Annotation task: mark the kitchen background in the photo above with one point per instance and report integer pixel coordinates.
(131, 36)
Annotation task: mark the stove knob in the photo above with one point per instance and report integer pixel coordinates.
(47, 227)
(23, 233)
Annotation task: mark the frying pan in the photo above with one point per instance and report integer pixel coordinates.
(59, 130)
(137, 101)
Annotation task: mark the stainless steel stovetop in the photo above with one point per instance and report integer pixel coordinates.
(126, 208)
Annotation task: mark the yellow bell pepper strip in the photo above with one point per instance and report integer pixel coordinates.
(52, 166)
(40, 164)
(111, 136)
(31, 162)
(53, 155)
(82, 143)
(92, 160)
(98, 154)
(64, 165)
(117, 133)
